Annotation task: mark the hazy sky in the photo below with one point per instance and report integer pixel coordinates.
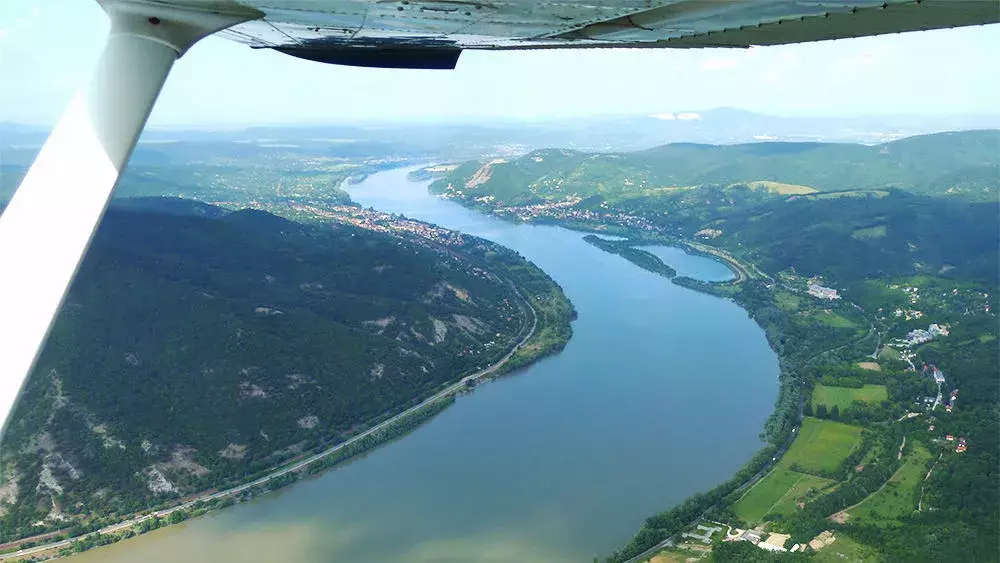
(49, 47)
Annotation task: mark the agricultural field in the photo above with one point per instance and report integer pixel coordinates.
(842, 397)
(788, 301)
(821, 445)
(846, 550)
(777, 493)
(898, 497)
(833, 319)
(780, 188)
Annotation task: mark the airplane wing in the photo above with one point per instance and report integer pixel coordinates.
(432, 33)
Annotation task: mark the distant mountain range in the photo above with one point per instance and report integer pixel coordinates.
(962, 165)
(469, 139)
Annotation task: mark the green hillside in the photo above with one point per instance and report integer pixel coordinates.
(963, 165)
(199, 346)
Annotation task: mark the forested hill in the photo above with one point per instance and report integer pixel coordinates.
(199, 345)
(962, 165)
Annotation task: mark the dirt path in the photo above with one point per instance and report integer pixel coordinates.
(920, 503)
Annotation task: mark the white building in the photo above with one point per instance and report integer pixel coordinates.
(821, 292)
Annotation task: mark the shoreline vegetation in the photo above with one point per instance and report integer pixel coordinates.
(777, 433)
(543, 302)
(642, 258)
(754, 291)
(848, 256)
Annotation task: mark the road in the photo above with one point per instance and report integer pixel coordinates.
(302, 464)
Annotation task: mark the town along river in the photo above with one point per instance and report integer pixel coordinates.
(661, 393)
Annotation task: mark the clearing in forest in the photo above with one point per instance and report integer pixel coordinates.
(842, 397)
(821, 445)
(777, 493)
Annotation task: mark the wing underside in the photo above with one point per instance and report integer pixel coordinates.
(431, 33)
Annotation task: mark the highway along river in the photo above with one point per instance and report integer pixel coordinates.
(661, 393)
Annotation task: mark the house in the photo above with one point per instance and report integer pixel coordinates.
(751, 536)
(821, 292)
(947, 408)
(930, 428)
(938, 375)
(938, 330)
(950, 438)
(918, 336)
(961, 445)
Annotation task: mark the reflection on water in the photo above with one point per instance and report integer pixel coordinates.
(661, 393)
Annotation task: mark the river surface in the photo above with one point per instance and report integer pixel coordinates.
(661, 393)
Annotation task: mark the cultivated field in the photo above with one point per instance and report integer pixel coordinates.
(777, 494)
(842, 397)
(835, 320)
(845, 550)
(821, 445)
(898, 497)
(780, 188)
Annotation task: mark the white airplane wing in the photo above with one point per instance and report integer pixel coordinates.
(432, 33)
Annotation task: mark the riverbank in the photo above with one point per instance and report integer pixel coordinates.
(488, 475)
(756, 293)
(546, 331)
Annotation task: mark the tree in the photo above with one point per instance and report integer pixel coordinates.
(835, 413)
(821, 411)
(808, 409)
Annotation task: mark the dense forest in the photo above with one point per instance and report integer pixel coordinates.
(198, 346)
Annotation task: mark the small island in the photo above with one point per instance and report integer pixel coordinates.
(626, 249)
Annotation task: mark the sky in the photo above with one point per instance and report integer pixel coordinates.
(48, 49)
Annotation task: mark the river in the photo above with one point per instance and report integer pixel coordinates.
(661, 393)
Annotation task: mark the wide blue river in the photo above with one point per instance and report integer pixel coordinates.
(661, 393)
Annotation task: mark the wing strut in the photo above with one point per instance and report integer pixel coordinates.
(46, 228)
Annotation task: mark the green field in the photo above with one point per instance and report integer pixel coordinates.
(821, 445)
(842, 397)
(833, 319)
(887, 353)
(846, 550)
(897, 498)
(787, 301)
(777, 493)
